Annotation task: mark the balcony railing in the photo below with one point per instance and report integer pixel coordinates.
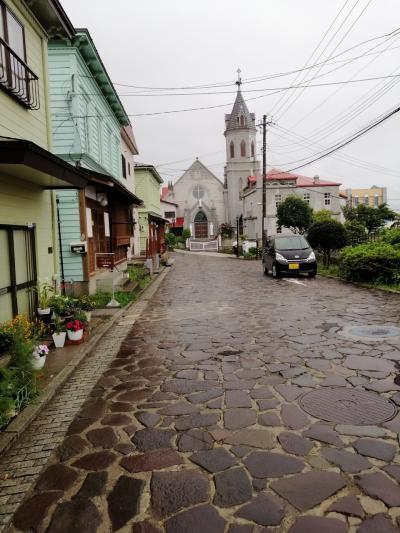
(17, 78)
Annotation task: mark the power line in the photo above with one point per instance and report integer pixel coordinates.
(348, 141)
(297, 96)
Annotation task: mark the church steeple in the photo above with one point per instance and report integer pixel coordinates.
(240, 117)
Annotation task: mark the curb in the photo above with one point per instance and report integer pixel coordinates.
(14, 430)
(359, 284)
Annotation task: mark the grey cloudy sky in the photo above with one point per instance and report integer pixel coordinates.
(180, 43)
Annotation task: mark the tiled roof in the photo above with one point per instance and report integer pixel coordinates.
(240, 108)
(301, 181)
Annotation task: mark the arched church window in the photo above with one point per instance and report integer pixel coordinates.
(198, 192)
(241, 120)
(200, 217)
(252, 148)
(242, 149)
(232, 149)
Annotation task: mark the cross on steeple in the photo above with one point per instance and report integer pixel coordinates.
(239, 80)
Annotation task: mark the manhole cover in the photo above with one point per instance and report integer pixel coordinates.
(348, 406)
(370, 333)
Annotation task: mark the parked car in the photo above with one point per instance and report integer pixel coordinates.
(289, 254)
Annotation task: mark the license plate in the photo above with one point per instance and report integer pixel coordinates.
(293, 266)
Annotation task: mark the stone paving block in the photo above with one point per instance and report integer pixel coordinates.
(239, 418)
(214, 460)
(172, 491)
(268, 464)
(318, 524)
(237, 399)
(293, 443)
(196, 520)
(150, 461)
(75, 516)
(123, 500)
(232, 487)
(378, 449)
(349, 505)
(346, 461)
(34, 509)
(378, 524)
(264, 510)
(307, 490)
(380, 486)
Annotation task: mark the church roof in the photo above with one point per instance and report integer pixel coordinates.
(301, 181)
(239, 109)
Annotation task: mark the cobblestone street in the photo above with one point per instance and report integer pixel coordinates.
(196, 426)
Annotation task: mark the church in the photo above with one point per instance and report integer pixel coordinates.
(203, 201)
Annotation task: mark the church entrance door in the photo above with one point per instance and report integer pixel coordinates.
(200, 226)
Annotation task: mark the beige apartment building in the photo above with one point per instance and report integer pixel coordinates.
(372, 197)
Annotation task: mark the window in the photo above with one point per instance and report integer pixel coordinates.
(242, 149)
(366, 199)
(123, 166)
(278, 200)
(376, 200)
(242, 120)
(355, 201)
(198, 192)
(129, 169)
(327, 198)
(169, 214)
(232, 149)
(252, 149)
(15, 76)
(307, 197)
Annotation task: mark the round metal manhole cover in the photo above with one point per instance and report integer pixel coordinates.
(348, 406)
(371, 333)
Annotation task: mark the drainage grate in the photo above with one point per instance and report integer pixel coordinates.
(348, 406)
(370, 333)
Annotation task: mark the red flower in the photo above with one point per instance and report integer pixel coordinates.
(75, 325)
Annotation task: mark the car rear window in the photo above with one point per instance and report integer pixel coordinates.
(295, 242)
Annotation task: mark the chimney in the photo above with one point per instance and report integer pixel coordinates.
(316, 179)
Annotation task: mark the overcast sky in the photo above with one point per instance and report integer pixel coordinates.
(181, 43)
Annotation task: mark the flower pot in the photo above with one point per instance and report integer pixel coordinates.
(38, 362)
(75, 335)
(59, 339)
(43, 311)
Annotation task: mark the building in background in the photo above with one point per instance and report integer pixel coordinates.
(319, 194)
(198, 194)
(151, 219)
(29, 172)
(372, 197)
(87, 117)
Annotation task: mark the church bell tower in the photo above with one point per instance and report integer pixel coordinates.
(241, 153)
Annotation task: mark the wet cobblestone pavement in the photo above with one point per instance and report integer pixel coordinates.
(196, 427)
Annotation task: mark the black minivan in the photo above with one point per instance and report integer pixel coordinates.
(289, 254)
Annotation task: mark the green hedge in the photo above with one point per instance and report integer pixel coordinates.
(372, 261)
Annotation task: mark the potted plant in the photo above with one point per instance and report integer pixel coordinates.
(59, 333)
(39, 356)
(44, 291)
(75, 330)
(86, 304)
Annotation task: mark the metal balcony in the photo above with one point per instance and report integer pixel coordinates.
(17, 78)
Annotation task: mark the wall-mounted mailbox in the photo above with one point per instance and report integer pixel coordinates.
(79, 247)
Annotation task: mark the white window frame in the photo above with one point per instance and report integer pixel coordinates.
(278, 200)
(307, 197)
(327, 198)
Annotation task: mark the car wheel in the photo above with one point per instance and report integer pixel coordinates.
(312, 274)
(275, 272)
(265, 269)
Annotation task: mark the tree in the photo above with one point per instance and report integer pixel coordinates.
(327, 236)
(295, 214)
(322, 215)
(356, 231)
(373, 218)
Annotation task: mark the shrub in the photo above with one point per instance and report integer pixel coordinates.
(322, 216)
(186, 234)
(391, 236)
(226, 230)
(372, 261)
(170, 240)
(327, 235)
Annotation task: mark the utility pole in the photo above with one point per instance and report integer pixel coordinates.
(264, 180)
(264, 125)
